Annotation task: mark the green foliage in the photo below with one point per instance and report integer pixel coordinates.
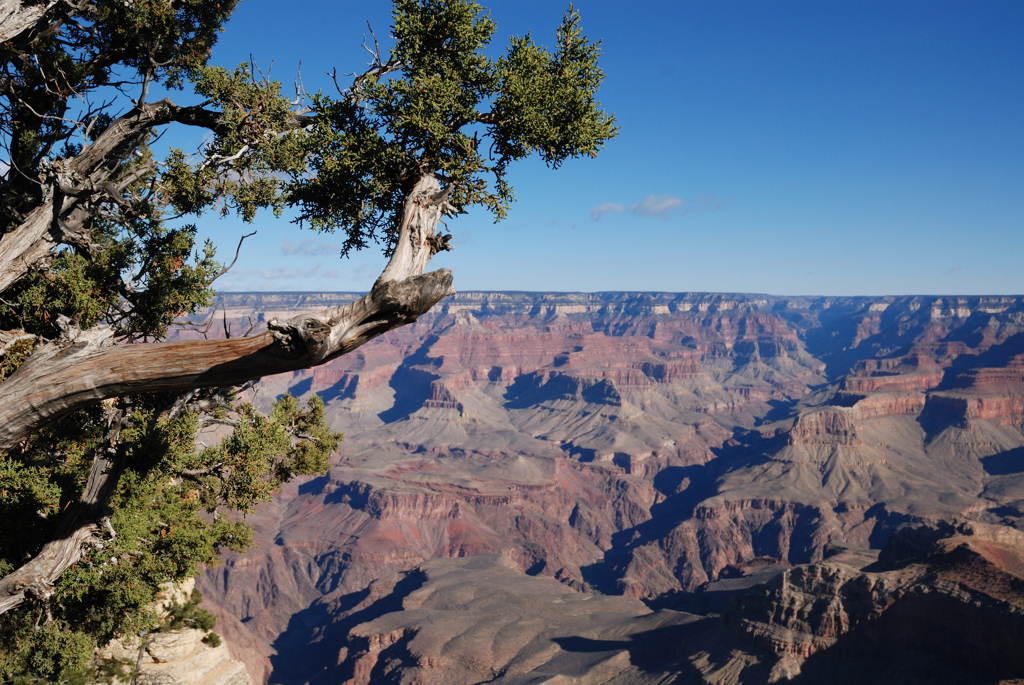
(139, 284)
(438, 105)
(252, 132)
(38, 482)
(448, 109)
(53, 651)
(546, 101)
(450, 104)
(93, 45)
(173, 513)
(73, 286)
(15, 355)
(189, 615)
(177, 35)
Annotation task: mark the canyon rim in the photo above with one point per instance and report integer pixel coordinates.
(653, 487)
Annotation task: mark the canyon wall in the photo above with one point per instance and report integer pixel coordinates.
(646, 446)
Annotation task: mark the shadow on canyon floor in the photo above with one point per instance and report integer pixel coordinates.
(1006, 463)
(660, 650)
(307, 651)
(698, 483)
(858, 657)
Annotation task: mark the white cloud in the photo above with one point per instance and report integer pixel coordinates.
(310, 247)
(284, 272)
(607, 207)
(657, 205)
(664, 206)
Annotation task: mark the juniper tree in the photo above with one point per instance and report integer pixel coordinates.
(103, 492)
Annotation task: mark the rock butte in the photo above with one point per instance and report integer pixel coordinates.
(723, 468)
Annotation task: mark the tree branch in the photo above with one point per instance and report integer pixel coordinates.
(83, 367)
(77, 180)
(78, 533)
(238, 249)
(17, 16)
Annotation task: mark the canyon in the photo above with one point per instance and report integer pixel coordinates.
(647, 487)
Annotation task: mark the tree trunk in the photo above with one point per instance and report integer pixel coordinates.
(17, 16)
(73, 183)
(78, 533)
(82, 367)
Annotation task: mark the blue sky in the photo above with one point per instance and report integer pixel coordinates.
(825, 147)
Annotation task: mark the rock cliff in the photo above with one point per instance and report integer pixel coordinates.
(951, 595)
(178, 657)
(941, 604)
(644, 445)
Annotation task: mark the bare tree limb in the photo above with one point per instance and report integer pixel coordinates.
(78, 533)
(83, 367)
(238, 249)
(17, 16)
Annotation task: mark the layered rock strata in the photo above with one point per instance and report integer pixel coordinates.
(642, 445)
(940, 604)
(951, 595)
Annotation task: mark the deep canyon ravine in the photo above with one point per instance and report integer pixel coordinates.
(633, 488)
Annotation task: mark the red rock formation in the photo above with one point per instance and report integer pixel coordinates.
(639, 444)
(832, 426)
(953, 591)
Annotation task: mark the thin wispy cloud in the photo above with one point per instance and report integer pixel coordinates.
(704, 203)
(309, 247)
(606, 208)
(657, 205)
(662, 206)
(285, 272)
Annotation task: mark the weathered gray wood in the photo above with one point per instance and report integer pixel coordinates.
(17, 16)
(83, 367)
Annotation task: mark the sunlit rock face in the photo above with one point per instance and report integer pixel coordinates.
(640, 445)
(184, 656)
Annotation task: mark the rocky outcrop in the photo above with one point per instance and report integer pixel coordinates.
(909, 382)
(832, 426)
(953, 592)
(178, 657)
(181, 657)
(638, 444)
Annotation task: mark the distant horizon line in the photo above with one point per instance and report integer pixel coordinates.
(624, 292)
